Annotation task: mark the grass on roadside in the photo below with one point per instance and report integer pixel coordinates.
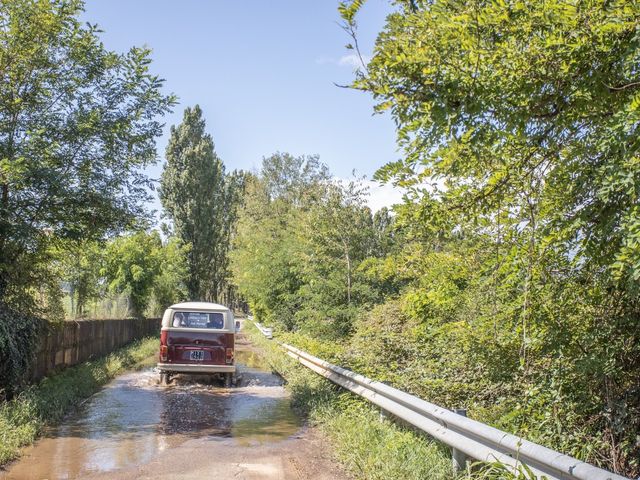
(23, 418)
(369, 448)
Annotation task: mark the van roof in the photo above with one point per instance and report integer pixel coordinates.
(198, 306)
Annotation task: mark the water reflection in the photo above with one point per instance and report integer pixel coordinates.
(133, 419)
(251, 359)
(261, 423)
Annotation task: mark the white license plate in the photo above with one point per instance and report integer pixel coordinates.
(196, 355)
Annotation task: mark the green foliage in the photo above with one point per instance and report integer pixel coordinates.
(267, 247)
(132, 266)
(532, 106)
(137, 268)
(23, 418)
(348, 10)
(170, 285)
(380, 450)
(77, 124)
(336, 234)
(80, 266)
(516, 277)
(201, 200)
(19, 336)
(302, 237)
(499, 471)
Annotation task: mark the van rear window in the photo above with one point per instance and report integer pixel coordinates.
(198, 320)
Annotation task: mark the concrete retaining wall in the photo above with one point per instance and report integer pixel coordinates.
(81, 340)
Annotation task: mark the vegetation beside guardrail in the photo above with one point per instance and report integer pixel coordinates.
(369, 446)
(503, 452)
(466, 437)
(489, 307)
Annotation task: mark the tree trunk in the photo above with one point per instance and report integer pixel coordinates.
(4, 223)
(348, 259)
(71, 299)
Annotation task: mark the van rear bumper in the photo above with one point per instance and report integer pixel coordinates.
(195, 368)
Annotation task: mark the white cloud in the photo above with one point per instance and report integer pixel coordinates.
(384, 195)
(379, 196)
(352, 60)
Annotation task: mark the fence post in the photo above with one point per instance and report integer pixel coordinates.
(459, 459)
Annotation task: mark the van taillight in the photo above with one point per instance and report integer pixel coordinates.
(229, 355)
(164, 349)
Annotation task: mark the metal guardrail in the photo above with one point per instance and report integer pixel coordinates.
(266, 331)
(474, 439)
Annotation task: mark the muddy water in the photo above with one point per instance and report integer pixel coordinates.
(134, 419)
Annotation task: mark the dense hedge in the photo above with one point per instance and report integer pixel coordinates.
(18, 343)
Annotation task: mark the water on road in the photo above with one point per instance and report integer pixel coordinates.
(134, 427)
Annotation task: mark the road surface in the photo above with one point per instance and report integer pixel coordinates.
(192, 429)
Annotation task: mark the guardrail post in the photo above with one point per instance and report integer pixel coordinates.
(459, 459)
(383, 415)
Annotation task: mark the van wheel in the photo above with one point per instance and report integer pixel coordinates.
(164, 378)
(228, 380)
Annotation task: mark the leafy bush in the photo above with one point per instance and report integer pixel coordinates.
(19, 334)
(499, 471)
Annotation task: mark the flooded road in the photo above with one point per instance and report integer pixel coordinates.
(136, 428)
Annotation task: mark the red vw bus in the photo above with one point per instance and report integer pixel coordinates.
(197, 338)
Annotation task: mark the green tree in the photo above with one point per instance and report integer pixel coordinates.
(337, 234)
(132, 267)
(531, 105)
(77, 123)
(519, 122)
(234, 185)
(302, 238)
(201, 200)
(20, 335)
(81, 265)
(170, 285)
(266, 248)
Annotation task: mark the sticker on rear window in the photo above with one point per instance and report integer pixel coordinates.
(198, 320)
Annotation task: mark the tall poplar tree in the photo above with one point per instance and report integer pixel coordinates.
(197, 196)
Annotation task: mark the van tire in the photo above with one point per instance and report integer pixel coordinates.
(164, 378)
(228, 380)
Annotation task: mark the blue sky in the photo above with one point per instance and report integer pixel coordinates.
(263, 73)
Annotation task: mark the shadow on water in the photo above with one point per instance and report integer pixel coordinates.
(133, 419)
